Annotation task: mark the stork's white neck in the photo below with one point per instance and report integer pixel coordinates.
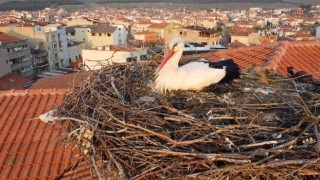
(172, 64)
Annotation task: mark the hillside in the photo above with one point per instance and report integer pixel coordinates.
(224, 4)
(34, 4)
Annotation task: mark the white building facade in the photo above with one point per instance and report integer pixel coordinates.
(60, 42)
(95, 59)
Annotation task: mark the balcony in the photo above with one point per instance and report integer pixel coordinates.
(17, 54)
(39, 54)
(42, 64)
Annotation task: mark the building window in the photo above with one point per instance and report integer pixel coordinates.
(143, 57)
(185, 33)
(100, 34)
(109, 34)
(93, 34)
(119, 29)
(132, 59)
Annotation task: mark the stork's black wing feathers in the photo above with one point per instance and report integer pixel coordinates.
(232, 69)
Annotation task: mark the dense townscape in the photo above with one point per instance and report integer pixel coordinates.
(61, 57)
(54, 38)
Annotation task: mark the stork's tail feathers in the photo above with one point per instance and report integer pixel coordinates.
(232, 69)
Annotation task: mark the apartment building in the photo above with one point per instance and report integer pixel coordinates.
(164, 30)
(49, 39)
(18, 55)
(123, 34)
(93, 36)
(59, 42)
(196, 34)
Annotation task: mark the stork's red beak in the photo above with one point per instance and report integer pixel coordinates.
(165, 59)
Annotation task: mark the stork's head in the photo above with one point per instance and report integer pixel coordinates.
(176, 44)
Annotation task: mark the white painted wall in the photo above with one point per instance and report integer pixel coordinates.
(63, 47)
(318, 32)
(74, 52)
(123, 34)
(96, 59)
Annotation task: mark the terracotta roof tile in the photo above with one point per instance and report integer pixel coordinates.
(302, 56)
(29, 147)
(5, 38)
(246, 57)
(13, 81)
(64, 81)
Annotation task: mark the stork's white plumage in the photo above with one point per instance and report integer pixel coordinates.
(194, 75)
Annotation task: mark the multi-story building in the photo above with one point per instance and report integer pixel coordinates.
(94, 36)
(196, 34)
(19, 56)
(123, 34)
(50, 39)
(164, 30)
(40, 60)
(59, 42)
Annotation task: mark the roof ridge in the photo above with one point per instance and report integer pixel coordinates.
(247, 48)
(277, 54)
(15, 92)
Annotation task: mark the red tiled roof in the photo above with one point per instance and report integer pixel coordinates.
(301, 55)
(5, 38)
(245, 57)
(13, 81)
(303, 35)
(29, 148)
(71, 80)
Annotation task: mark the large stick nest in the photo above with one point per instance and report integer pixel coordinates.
(235, 130)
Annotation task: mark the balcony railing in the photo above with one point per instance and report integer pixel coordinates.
(42, 64)
(40, 54)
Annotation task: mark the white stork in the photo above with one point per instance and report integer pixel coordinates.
(191, 76)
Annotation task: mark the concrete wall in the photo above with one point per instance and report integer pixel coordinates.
(4, 62)
(318, 32)
(74, 52)
(99, 39)
(96, 59)
(61, 40)
(123, 35)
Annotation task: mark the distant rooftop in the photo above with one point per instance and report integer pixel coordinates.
(6, 38)
(201, 29)
(13, 81)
